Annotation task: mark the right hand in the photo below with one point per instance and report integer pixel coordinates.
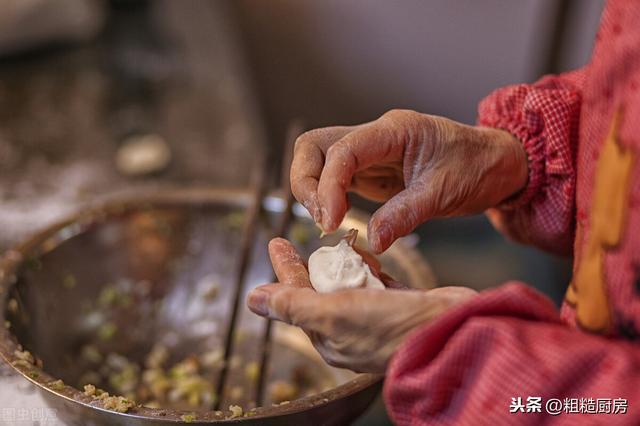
(422, 166)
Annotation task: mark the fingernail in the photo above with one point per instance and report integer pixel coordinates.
(258, 301)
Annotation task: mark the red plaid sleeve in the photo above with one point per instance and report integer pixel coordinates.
(465, 368)
(544, 117)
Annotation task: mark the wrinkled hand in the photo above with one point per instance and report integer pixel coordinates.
(422, 166)
(358, 329)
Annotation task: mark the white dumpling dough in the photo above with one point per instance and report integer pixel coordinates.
(339, 267)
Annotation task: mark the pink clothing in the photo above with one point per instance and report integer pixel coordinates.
(581, 132)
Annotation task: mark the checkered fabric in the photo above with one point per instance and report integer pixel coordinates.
(465, 367)
(545, 117)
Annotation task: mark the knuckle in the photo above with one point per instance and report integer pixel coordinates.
(300, 141)
(400, 116)
(393, 113)
(332, 150)
(343, 153)
(307, 138)
(315, 136)
(404, 125)
(338, 149)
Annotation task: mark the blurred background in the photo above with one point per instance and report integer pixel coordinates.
(99, 97)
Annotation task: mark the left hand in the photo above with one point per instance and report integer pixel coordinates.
(359, 329)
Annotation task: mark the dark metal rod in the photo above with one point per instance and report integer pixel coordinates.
(282, 229)
(249, 233)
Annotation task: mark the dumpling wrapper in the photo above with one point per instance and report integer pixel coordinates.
(340, 267)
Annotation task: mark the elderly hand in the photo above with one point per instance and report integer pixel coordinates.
(422, 166)
(358, 329)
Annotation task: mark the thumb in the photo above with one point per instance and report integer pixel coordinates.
(397, 218)
(282, 302)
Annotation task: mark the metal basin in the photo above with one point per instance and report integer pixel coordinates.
(173, 256)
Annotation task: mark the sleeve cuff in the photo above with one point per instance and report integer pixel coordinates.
(527, 126)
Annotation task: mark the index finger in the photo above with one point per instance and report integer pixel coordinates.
(287, 264)
(370, 144)
(307, 164)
